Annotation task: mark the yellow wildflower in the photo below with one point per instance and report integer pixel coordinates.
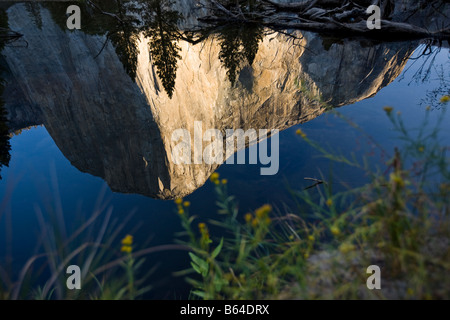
(128, 240)
(311, 238)
(329, 202)
(214, 177)
(254, 222)
(388, 109)
(180, 211)
(300, 133)
(263, 211)
(445, 99)
(397, 179)
(127, 249)
(224, 181)
(186, 204)
(205, 240)
(335, 230)
(248, 217)
(178, 201)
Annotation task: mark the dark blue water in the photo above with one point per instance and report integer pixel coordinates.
(39, 176)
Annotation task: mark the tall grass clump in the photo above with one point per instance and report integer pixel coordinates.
(110, 264)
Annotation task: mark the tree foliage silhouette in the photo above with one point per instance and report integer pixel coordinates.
(239, 44)
(5, 146)
(122, 21)
(34, 12)
(125, 44)
(162, 30)
(126, 36)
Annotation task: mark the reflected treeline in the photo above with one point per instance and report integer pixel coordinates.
(124, 38)
(124, 21)
(239, 42)
(125, 43)
(162, 30)
(158, 23)
(34, 13)
(237, 46)
(5, 146)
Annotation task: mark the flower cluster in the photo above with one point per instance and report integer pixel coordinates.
(301, 133)
(205, 240)
(127, 243)
(181, 205)
(445, 99)
(261, 217)
(215, 179)
(397, 179)
(335, 230)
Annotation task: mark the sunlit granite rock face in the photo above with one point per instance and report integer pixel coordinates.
(121, 130)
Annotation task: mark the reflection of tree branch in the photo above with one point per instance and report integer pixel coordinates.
(429, 52)
(205, 34)
(9, 35)
(289, 35)
(104, 45)
(317, 182)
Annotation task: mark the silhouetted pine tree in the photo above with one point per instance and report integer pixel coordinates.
(162, 30)
(5, 146)
(238, 45)
(125, 37)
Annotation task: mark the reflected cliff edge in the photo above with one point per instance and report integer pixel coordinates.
(112, 93)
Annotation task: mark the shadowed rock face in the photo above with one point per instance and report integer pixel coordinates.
(110, 126)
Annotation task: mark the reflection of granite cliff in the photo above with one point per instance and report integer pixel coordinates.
(110, 127)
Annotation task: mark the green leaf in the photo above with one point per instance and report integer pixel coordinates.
(196, 268)
(219, 282)
(191, 219)
(221, 205)
(203, 265)
(217, 250)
